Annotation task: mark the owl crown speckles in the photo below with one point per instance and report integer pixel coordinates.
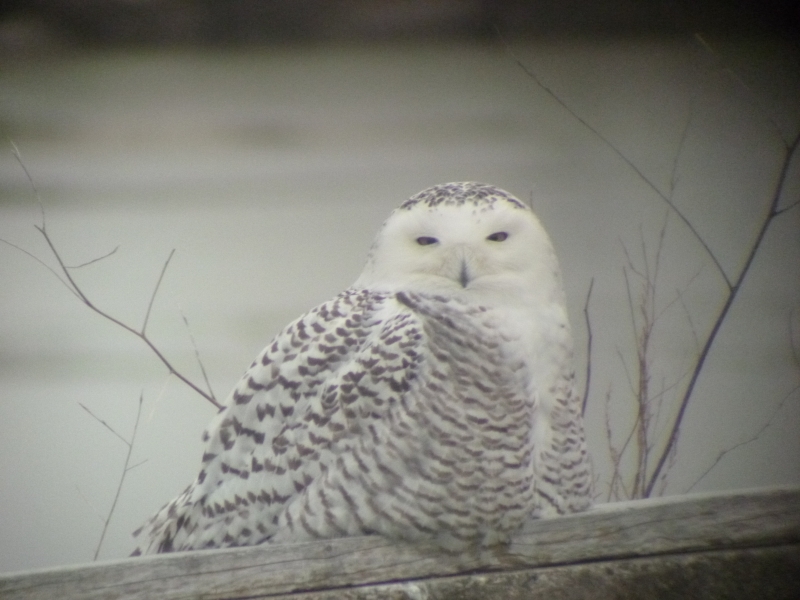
(433, 400)
(460, 193)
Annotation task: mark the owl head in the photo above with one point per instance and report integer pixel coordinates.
(466, 239)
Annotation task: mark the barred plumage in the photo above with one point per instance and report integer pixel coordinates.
(432, 400)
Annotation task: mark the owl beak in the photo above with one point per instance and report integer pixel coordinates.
(463, 274)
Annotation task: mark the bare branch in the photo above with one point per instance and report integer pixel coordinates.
(691, 324)
(658, 402)
(662, 481)
(197, 355)
(75, 289)
(732, 294)
(749, 440)
(139, 464)
(588, 347)
(125, 470)
(103, 423)
(94, 260)
(644, 315)
(668, 199)
(794, 204)
(45, 265)
(633, 319)
(679, 298)
(70, 282)
(155, 291)
(615, 483)
(738, 79)
(628, 492)
(789, 146)
(64, 268)
(673, 178)
(648, 317)
(628, 378)
(657, 266)
(18, 156)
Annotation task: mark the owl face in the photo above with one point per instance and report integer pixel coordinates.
(469, 248)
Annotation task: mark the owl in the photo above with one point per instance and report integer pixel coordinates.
(433, 401)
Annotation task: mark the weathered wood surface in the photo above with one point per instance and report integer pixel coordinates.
(754, 574)
(737, 541)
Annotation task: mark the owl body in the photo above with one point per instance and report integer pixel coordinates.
(432, 400)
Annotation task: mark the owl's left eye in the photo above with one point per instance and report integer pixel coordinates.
(426, 241)
(499, 236)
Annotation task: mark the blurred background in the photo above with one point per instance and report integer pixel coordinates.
(36, 24)
(265, 142)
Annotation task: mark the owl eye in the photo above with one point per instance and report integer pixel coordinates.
(426, 241)
(499, 236)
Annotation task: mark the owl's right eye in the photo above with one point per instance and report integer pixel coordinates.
(426, 241)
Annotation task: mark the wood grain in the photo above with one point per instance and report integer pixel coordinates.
(755, 521)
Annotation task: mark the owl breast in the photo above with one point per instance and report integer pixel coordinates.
(450, 457)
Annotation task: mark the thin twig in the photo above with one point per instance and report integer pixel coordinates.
(103, 423)
(44, 264)
(673, 178)
(125, 470)
(738, 79)
(616, 475)
(628, 378)
(780, 211)
(588, 347)
(732, 294)
(76, 290)
(749, 440)
(89, 504)
(692, 328)
(657, 401)
(139, 464)
(140, 334)
(530, 73)
(679, 296)
(656, 268)
(733, 284)
(18, 156)
(662, 481)
(624, 448)
(644, 315)
(197, 354)
(155, 291)
(94, 260)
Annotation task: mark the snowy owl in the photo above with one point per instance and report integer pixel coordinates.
(434, 400)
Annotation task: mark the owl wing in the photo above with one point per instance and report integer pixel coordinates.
(402, 414)
(279, 425)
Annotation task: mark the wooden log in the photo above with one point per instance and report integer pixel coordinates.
(759, 573)
(725, 544)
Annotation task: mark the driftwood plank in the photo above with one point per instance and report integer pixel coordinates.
(760, 573)
(650, 528)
